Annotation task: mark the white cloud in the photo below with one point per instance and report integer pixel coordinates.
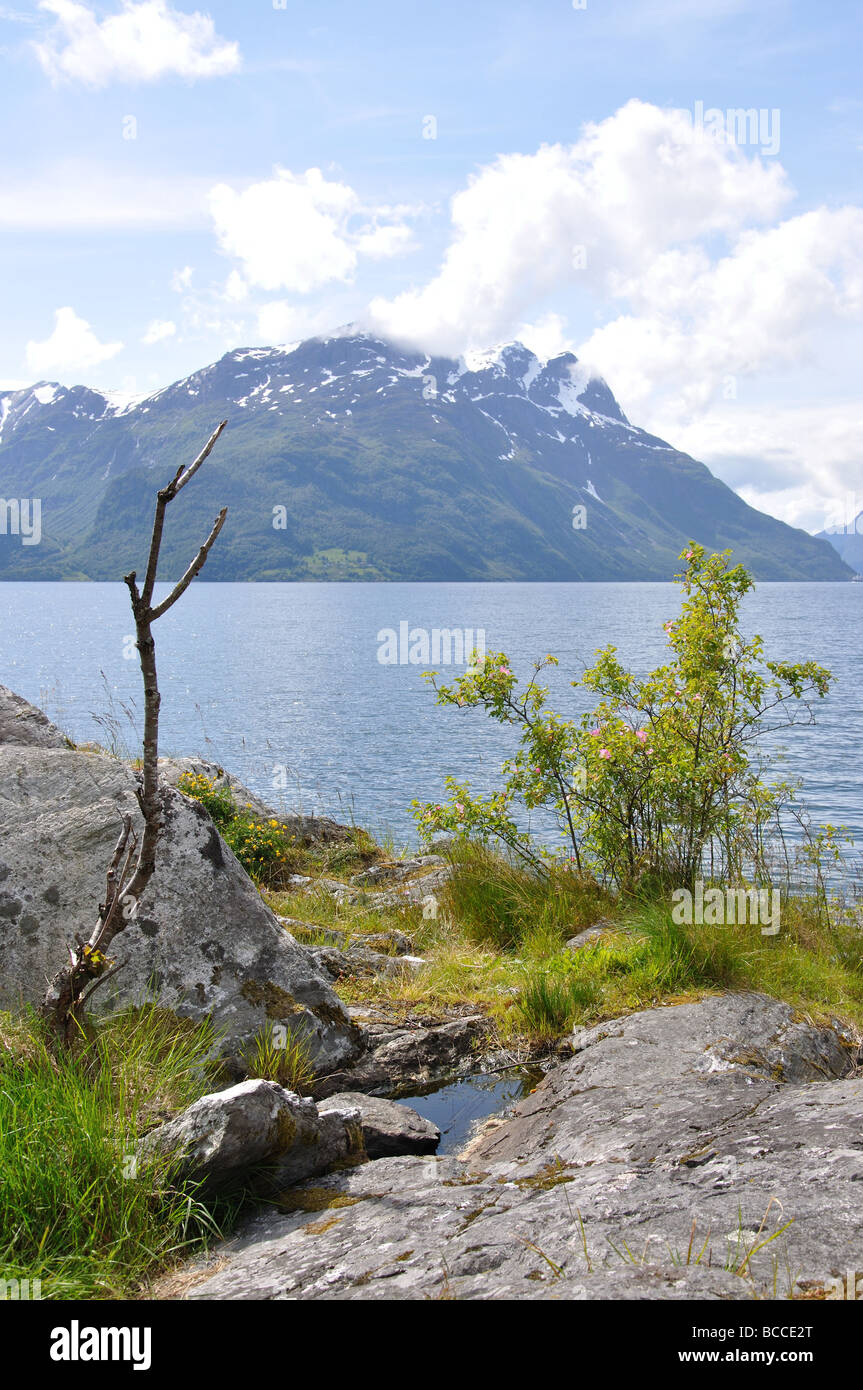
(72, 346)
(699, 324)
(799, 463)
(593, 214)
(181, 279)
(158, 331)
(297, 232)
(283, 322)
(710, 284)
(379, 243)
(547, 336)
(146, 40)
(236, 289)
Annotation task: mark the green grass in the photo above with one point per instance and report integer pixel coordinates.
(498, 945)
(498, 903)
(74, 1212)
(282, 1056)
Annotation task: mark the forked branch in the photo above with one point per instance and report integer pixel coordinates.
(89, 965)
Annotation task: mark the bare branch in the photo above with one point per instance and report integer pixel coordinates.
(193, 467)
(195, 567)
(163, 497)
(71, 987)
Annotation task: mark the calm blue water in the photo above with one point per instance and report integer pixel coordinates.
(262, 677)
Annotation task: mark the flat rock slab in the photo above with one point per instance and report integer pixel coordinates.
(709, 1150)
(388, 1128)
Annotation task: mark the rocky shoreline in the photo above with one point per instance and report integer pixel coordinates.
(701, 1151)
(707, 1149)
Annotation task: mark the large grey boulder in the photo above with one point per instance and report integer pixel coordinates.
(256, 1135)
(202, 942)
(389, 1128)
(23, 723)
(709, 1150)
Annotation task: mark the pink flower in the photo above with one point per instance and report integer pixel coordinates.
(459, 808)
(505, 669)
(594, 733)
(604, 753)
(537, 770)
(641, 735)
(689, 554)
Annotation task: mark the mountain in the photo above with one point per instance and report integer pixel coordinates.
(848, 542)
(351, 458)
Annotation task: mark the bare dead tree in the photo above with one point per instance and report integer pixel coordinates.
(63, 1008)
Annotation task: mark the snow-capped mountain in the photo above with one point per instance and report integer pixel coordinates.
(351, 457)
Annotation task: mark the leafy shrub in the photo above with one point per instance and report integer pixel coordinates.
(665, 773)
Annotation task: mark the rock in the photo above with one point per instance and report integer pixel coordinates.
(402, 868)
(410, 893)
(358, 960)
(202, 941)
(389, 943)
(256, 1136)
(330, 936)
(23, 724)
(388, 1127)
(414, 890)
(701, 1151)
(304, 883)
(411, 1056)
(591, 936)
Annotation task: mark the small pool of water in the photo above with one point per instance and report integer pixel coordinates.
(458, 1107)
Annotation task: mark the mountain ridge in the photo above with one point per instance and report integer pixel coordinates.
(349, 457)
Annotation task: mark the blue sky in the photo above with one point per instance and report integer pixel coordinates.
(483, 171)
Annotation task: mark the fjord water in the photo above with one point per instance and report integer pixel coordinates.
(281, 683)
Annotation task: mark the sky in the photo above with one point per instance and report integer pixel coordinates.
(672, 189)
